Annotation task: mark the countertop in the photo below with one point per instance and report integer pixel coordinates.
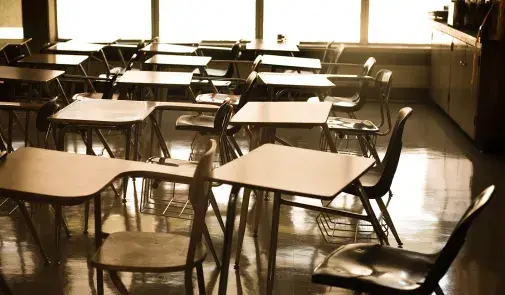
(466, 35)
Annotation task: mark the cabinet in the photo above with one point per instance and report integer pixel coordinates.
(451, 80)
(441, 68)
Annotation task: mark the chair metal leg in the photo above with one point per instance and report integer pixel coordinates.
(210, 245)
(371, 214)
(117, 283)
(33, 231)
(235, 145)
(188, 281)
(259, 208)
(86, 217)
(57, 231)
(388, 220)
(438, 290)
(243, 222)
(201, 279)
(215, 207)
(6, 290)
(65, 226)
(272, 253)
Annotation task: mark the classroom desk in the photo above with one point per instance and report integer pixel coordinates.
(28, 174)
(283, 170)
(292, 81)
(162, 48)
(183, 61)
(289, 62)
(57, 61)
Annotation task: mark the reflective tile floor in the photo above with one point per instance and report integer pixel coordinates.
(439, 172)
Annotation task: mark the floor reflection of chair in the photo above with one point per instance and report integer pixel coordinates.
(162, 252)
(379, 269)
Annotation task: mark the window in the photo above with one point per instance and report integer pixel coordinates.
(314, 20)
(97, 20)
(195, 20)
(401, 21)
(11, 24)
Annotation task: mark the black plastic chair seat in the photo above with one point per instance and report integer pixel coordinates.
(198, 123)
(218, 98)
(93, 95)
(374, 268)
(348, 125)
(212, 72)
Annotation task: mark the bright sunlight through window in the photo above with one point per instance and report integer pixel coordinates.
(190, 21)
(97, 20)
(315, 20)
(401, 21)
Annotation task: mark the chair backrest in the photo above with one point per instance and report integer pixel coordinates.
(392, 157)
(222, 116)
(45, 47)
(234, 55)
(108, 89)
(247, 93)
(256, 63)
(129, 65)
(360, 94)
(199, 196)
(46, 110)
(384, 83)
(333, 58)
(456, 241)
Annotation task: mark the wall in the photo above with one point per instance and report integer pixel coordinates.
(10, 19)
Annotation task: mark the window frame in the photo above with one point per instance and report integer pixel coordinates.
(259, 21)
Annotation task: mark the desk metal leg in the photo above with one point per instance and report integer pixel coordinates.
(9, 131)
(371, 214)
(228, 238)
(159, 136)
(243, 221)
(127, 157)
(192, 94)
(62, 91)
(58, 217)
(105, 62)
(329, 139)
(87, 80)
(98, 240)
(272, 253)
(33, 231)
(203, 72)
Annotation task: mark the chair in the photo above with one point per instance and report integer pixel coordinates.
(376, 182)
(204, 124)
(221, 73)
(329, 59)
(357, 100)
(212, 125)
(332, 58)
(109, 91)
(219, 98)
(137, 55)
(377, 269)
(162, 252)
(365, 130)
